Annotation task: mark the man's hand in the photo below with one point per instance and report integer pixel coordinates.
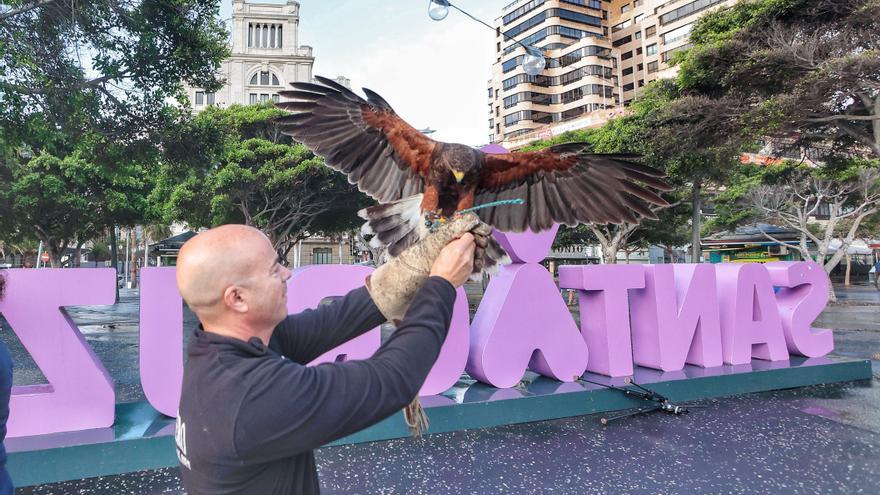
(456, 261)
(447, 252)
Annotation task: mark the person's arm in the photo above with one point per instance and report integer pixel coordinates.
(293, 408)
(305, 336)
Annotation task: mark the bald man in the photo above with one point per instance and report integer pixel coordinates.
(251, 412)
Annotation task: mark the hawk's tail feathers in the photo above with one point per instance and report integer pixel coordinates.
(395, 226)
(494, 257)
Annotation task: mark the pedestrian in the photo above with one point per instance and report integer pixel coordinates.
(6, 487)
(251, 412)
(877, 273)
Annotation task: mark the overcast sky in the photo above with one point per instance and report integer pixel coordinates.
(433, 73)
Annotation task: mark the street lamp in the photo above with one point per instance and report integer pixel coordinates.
(533, 61)
(438, 9)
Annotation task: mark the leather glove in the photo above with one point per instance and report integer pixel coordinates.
(393, 285)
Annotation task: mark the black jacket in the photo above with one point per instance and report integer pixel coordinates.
(250, 416)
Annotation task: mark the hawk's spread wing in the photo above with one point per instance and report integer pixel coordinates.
(564, 185)
(386, 157)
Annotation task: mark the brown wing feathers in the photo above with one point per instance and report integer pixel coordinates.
(364, 139)
(562, 184)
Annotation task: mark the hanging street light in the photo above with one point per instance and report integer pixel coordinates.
(533, 61)
(438, 9)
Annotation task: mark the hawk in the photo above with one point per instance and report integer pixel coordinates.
(417, 180)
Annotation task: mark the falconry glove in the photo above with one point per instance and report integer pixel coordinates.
(394, 284)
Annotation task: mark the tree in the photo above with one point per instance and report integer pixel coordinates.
(105, 66)
(796, 196)
(850, 195)
(66, 201)
(630, 133)
(234, 165)
(807, 71)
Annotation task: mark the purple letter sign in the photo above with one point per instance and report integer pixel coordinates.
(161, 338)
(602, 294)
(675, 318)
(750, 323)
(802, 297)
(80, 393)
(523, 321)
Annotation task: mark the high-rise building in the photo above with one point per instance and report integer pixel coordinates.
(265, 56)
(600, 55)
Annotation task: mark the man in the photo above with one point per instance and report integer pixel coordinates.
(251, 412)
(877, 273)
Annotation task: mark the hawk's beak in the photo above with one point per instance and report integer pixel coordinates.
(458, 175)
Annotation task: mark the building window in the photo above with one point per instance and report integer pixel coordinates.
(200, 97)
(265, 36)
(280, 32)
(272, 37)
(650, 31)
(264, 98)
(628, 87)
(623, 25)
(262, 79)
(652, 67)
(640, 67)
(687, 10)
(639, 51)
(651, 49)
(638, 3)
(252, 98)
(250, 35)
(210, 98)
(638, 18)
(627, 71)
(622, 41)
(626, 56)
(677, 34)
(638, 35)
(625, 8)
(322, 256)
(276, 98)
(641, 82)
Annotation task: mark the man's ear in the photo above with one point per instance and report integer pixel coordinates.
(233, 300)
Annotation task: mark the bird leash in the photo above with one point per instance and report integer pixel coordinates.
(433, 225)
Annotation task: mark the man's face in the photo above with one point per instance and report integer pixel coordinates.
(268, 288)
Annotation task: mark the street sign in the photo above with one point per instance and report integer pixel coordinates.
(44, 257)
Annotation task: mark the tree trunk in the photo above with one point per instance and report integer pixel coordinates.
(832, 296)
(132, 261)
(848, 269)
(696, 221)
(77, 254)
(114, 262)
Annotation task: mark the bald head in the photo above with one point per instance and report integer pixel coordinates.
(216, 259)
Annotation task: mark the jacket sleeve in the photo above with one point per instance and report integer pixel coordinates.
(305, 336)
(291, 409)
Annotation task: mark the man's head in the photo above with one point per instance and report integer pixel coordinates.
(231, 278)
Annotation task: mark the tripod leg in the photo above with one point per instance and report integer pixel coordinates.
(605, 421)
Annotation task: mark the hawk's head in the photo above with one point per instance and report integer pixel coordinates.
(462, 162)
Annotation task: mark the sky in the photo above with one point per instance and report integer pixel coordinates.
(434, 73)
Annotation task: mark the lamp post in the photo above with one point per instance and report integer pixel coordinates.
(533, 61)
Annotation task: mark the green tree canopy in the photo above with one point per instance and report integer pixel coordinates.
(233, 165)
(807, 71)
(106, 66)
